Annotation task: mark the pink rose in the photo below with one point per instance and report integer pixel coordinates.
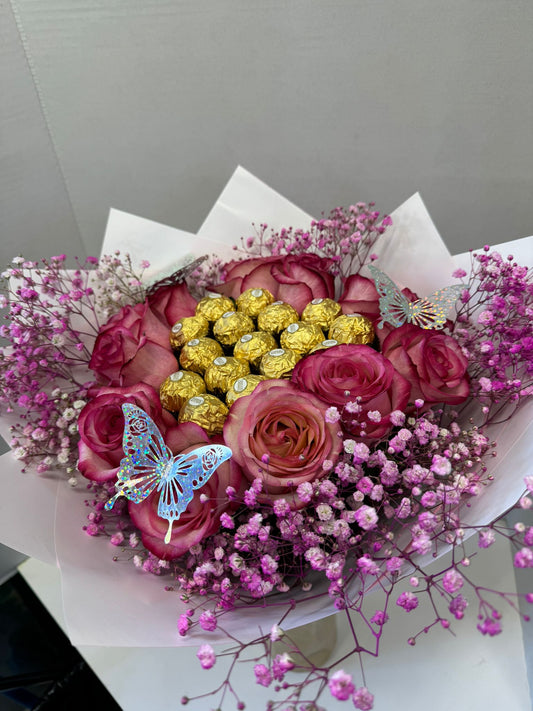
(133, 346)
(171, 303)
(295, 279)
(200, 519)
(279, 435)
(343, 373)
(431, 361)
(360, 296)
(101, 427)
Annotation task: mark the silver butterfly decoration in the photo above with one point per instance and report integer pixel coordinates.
(396, 309)
(149, 464)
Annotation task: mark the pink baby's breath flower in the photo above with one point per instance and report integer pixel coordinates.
(363, 699)
(366, 517)
(262, 675)
(226, 521)
(489, 626)
(397, 418)
(206, 655)
(332, 415)
(183, 625)
(524, 558)
(208, 621)
(408, 601)
(117, 538)
(452, 581)
(379, 617)
(341, 685)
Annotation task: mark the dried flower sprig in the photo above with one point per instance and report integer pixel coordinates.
(54, 315)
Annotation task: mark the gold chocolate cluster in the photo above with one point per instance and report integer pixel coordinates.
(227, 348)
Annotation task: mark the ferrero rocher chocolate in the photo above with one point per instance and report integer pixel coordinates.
(324, 345)
(213, 306)
(252, 347)
(301, 337)
(275, 318)
(205, 410)
(231, 326)
(322, 312)
(243, 386)
(222, 372)
(252, 301)
(278, 363)
(352, 328)
(179, 387)
(186, 329)
(198, 353)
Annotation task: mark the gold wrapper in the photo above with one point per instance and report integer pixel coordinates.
(275, 318)
(301, 337)
(322, 312)
(252, 301)
(252, 347)
(179, 387)
(278, 363)
(231, 326)
(186, 329)
(213, 306)
(328, 343)
(205, 410)
(199, 353)
(222, 372)
(242, 387)
(352, 328)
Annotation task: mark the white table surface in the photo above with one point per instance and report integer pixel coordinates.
(469, 672)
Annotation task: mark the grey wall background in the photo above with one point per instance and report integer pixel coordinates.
(148, 106)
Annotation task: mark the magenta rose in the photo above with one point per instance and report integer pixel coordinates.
(295, 279)
(199, 519)
(101, 427)
(171, 303)
(133, 346)
(343, 373)
(280, 435)
(432, 362)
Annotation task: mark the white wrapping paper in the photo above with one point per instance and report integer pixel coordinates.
(108, 603)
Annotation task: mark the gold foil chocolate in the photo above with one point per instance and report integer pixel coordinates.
(278, 363)
(252, 347)
(213, 306)
(352, 328)
(198, 353)
(252, 301)
(205, 410)
(322, 312)
(275, 318)
(301, 337)
(186, 329)
(243, 386)
(328, 343)
(222, 372)
(179, 387)
(231, 326)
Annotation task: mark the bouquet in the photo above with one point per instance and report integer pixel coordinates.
(272, 431)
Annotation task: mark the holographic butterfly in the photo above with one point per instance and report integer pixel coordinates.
(396, 309)
(149, 463)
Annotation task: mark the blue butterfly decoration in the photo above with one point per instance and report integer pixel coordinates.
(149, 463)
(396, 309)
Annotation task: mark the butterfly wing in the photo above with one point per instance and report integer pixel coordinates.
(189, 471)
(147, 458)
(393, 305)
(431, 312)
